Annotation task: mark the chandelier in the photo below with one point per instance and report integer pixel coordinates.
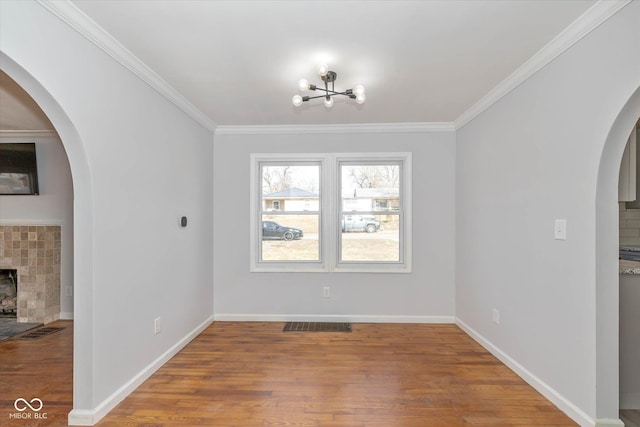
(329, 78)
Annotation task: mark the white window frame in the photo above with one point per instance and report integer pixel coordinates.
(255, 193)
(329, 212)
(404, 232)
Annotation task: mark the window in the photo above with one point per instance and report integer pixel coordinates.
(331, 212)
(370, 230)
(289, 231)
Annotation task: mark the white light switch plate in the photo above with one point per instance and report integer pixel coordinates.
(157, 327)
(560, 229)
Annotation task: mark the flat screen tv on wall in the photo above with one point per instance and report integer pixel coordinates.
(18, 169)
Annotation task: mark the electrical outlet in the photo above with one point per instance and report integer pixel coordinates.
(326, 292)
(68, 291)
(156, 326)
(496, 316)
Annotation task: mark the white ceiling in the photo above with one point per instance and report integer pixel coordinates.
(239, 62)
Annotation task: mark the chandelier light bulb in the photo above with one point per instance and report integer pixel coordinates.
(358, 90)
(328, 102)
(297, 100)
(360, 98)
(323, 69)
(303, 84)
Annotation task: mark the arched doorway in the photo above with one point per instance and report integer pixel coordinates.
(607, 288)
(82, 228)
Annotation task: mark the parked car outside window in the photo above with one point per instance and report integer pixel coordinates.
(360, 223)
(274, 231)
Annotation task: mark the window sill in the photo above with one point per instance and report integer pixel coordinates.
(322, 269)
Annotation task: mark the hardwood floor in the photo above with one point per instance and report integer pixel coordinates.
(630, 418)
(40, 368)
(252, 374)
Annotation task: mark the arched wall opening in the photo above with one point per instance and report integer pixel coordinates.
(607, 269)
(82, 229)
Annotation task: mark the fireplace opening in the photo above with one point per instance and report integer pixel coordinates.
(8, 293)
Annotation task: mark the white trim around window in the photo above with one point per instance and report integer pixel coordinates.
(330, 213)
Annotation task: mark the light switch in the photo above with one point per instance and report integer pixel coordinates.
(560, 229)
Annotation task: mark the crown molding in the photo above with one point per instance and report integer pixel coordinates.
(346, 128)
(587, 22)
(27, 134)
(87, 27)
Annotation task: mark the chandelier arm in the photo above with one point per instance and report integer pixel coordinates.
(306, 98)
(333, 92)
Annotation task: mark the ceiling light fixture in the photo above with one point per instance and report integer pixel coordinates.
(328, 77)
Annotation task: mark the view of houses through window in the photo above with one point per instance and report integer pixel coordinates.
(290, 212)
(366, 221)
(370, 212)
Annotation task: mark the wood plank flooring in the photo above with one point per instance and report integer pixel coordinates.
(252, 374)
(630, 417)
(40, 368)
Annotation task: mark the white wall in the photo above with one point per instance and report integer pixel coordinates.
(54, 205)
(531, 158)
(140, 164)
(425, 294)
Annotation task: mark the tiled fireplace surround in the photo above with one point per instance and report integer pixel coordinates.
(34, 251)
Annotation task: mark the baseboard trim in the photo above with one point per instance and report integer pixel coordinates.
(81, 417)
(609, 423)
(84, 417)
(356, 318)
(575, 413)
(66, 316)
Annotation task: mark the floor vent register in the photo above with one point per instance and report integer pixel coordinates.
(316, 327)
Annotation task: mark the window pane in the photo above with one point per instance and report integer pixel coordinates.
(367, 188)
(370, 238)
(290, 188)
(290, 238)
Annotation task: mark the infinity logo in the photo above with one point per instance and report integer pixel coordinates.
(28, 404)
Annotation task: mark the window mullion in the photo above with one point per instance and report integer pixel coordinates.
(329, 203)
